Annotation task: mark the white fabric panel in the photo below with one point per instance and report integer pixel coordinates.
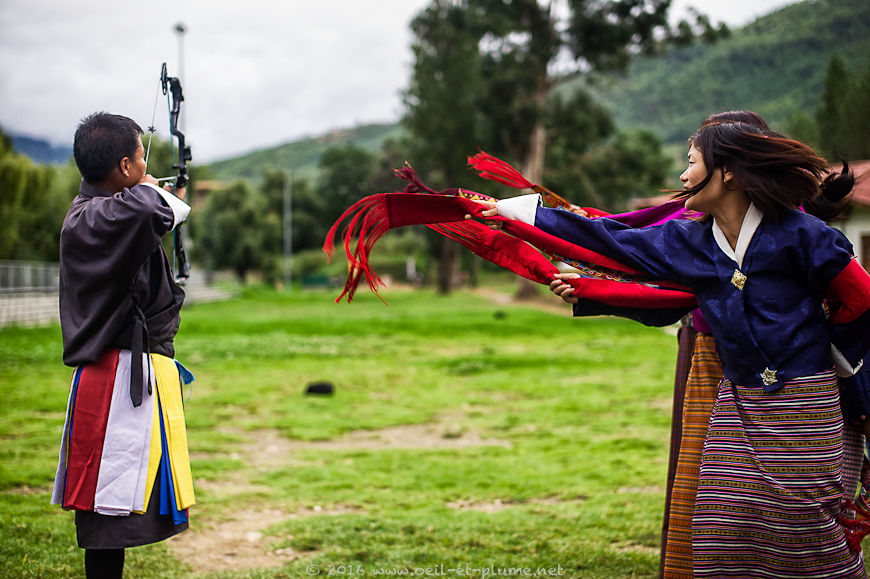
(180, 209)
(751, 221)
(520, 208)
(126, 449)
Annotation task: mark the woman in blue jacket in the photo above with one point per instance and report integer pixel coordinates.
(770, 488)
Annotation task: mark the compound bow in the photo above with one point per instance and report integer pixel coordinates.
(171, 87)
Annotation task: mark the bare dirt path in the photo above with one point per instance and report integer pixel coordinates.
(237, 541)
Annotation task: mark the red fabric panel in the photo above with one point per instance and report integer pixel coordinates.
(523, 259)
(88, 430)
(411, 209)
(849, 294)
(517, 248)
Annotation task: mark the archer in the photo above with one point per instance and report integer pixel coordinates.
(124, 465)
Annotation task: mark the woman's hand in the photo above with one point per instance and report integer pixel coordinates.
(492, 211)
(559, 287)
(577, 210)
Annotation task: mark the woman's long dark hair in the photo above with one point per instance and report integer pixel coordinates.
(778, 174)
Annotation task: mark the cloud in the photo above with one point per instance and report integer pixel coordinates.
(255, 72)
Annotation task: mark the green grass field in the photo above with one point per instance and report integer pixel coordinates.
(462, 435)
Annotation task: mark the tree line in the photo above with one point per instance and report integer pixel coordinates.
(487, 74)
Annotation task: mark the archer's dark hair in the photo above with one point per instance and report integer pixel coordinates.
(101, 141)
(778, 174)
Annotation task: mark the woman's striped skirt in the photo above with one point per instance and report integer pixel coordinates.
(771, 487)
(702, 386)
(118, 462)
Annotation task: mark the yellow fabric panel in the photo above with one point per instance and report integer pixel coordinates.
(154, 457)
(169, 394)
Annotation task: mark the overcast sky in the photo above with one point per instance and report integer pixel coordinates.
(256, 73)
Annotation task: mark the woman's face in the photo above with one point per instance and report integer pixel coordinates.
(708, 198)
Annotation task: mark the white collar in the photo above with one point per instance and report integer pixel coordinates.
(751, 221)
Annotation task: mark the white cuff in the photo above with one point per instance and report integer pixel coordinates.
(522, 208)
(843, 367)
(180, 209)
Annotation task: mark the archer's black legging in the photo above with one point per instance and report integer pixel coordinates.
(104, 563)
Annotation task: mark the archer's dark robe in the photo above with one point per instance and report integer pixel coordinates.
(117, 292)
(116, 285)
(111, 266)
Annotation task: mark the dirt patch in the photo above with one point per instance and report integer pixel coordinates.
(631, 547)
(268, 449)
(647, 490)
(239, 542)
(233, 485)
(499, 505)
(28, 491)
(231, 545)
(547, 302)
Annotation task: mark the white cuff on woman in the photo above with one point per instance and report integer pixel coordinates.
(520, 208)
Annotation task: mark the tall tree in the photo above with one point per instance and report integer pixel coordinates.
(485, 70)
(33, 201)
(233, 230)
(345, 174)
(843, 113)
(831, 114)
(530, 45)
(442, 103)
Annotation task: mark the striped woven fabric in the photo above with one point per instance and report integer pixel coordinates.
(853, 459)
(686, 345)
(770, 485)
(701, 390)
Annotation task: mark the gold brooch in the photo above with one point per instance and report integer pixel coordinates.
(738, 279)
(768, 376)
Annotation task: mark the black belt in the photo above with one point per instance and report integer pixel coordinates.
(139, 346)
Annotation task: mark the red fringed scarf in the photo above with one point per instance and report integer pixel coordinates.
(517, 247)
(495, 169)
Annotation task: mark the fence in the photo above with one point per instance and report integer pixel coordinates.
(28, 292)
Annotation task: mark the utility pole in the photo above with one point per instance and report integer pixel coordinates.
(288, 230)
(180, 29)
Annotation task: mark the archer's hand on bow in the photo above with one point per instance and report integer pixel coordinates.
(180, 192)
(150, 179)
(491, 211)
(562, 289)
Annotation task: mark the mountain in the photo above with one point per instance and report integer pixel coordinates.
(774, 66)
(302, 156)
(39, 150)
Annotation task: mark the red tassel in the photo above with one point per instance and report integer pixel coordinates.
(368, 223)
(495, 169)
(415, 184)
(859, 527)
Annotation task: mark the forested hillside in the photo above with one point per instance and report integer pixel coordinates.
(774, 66)
(301, 156)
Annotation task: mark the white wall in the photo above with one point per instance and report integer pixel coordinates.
(855, 228)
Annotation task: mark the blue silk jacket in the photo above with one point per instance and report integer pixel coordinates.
(766, 314)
